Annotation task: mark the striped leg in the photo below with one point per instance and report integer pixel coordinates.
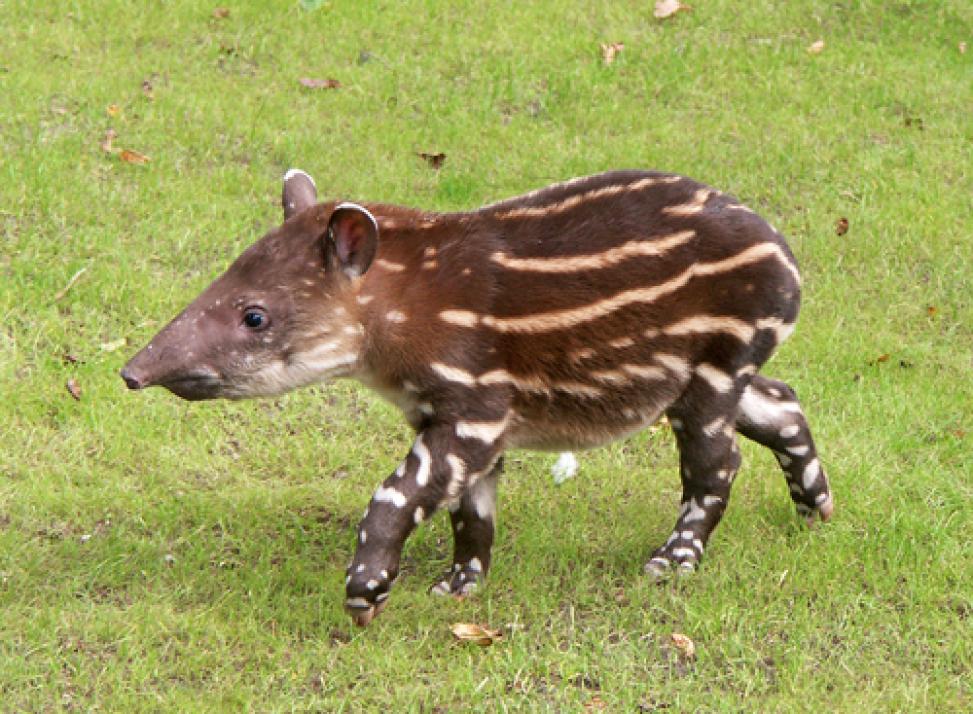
(702, 420)
(771, 415)
(473, 518)
(435, 472)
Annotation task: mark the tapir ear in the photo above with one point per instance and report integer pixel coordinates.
(299, 192)
(353, 236)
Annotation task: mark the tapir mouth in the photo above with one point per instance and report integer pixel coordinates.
(194, 387)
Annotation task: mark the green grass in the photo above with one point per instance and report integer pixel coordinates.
(157, 555)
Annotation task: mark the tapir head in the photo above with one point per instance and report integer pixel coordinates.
(282, 316)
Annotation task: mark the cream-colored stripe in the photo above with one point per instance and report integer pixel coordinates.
(595, 261)
(711, 323)
(691, 208)
(570, 202)
(717, 378)
(562, 319)
(502, 376)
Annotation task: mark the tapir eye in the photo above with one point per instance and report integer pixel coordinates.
(255, 318)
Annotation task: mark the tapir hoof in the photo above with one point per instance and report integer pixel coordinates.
(363, 612)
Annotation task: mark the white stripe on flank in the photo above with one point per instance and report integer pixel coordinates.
(673, 363)
(691, 208)
(425, 461)
(715, 377)
(570, 317)
(577, 199)
(502, 376)
(389, 495)
(711, 323)
(453, 374)
(486, 431)
(595, 261)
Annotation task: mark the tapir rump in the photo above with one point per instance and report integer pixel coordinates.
(558, 320)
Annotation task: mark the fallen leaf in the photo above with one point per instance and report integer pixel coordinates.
(106, 143)
(147, 89)
(133, 157)
(434, 160)
(880, 359)
(841, 227)
(686, 647)
(69, 358)
(816, 48)
(478, 634)
(668, 8)
(319, 83)
(74, 389)
(595, 704)
(113, 110)
(221, 13)
(114, 344)
(610, 51)
(931, 310)
(962, 48)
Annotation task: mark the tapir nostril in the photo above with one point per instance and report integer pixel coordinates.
(131, 381)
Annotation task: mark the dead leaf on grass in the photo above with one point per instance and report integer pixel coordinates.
(667, 8)
(816, 48)
(685, 646)
(595, 704)
(931, 310)
(113, 110)
(962, 48)
(133, 157)
(147, 89)
(841, 226)
(312, 83)
(434, 160)
(478, 634)
(114, 344)
(221, 13)
(74, 389)
(610, 50)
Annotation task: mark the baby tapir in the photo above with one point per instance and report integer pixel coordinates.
(561, 319)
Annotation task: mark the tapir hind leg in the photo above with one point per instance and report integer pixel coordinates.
(771, 415)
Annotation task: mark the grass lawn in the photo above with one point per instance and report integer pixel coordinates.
(163, 556)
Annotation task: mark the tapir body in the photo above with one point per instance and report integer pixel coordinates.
(562, 319)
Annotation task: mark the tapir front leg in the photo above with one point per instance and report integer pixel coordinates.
(437, 470)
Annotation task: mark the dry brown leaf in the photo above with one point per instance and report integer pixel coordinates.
(113, 110)
(816, 48)
(434, 160)
(311, 83)
(74, 389)
(686, 647)
(147, 89)
(668, 8)
(610, 51)
(931, 310)
(478, 634)
(841, 226)
(221, 13)
(595, 704)
(106, 143)
(133, 157)
(881, 358)
(962, 48)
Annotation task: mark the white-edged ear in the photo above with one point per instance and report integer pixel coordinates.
(353, 235)
(299, 192)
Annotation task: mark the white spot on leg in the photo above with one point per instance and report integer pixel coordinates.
(371, 584)
(360, 568)
(694, 512)
(421, 452)
(475, 565)
(418, 515)
(800, 450)
(363, 536)
(811, 473)
(790, 431)
(390, 495)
